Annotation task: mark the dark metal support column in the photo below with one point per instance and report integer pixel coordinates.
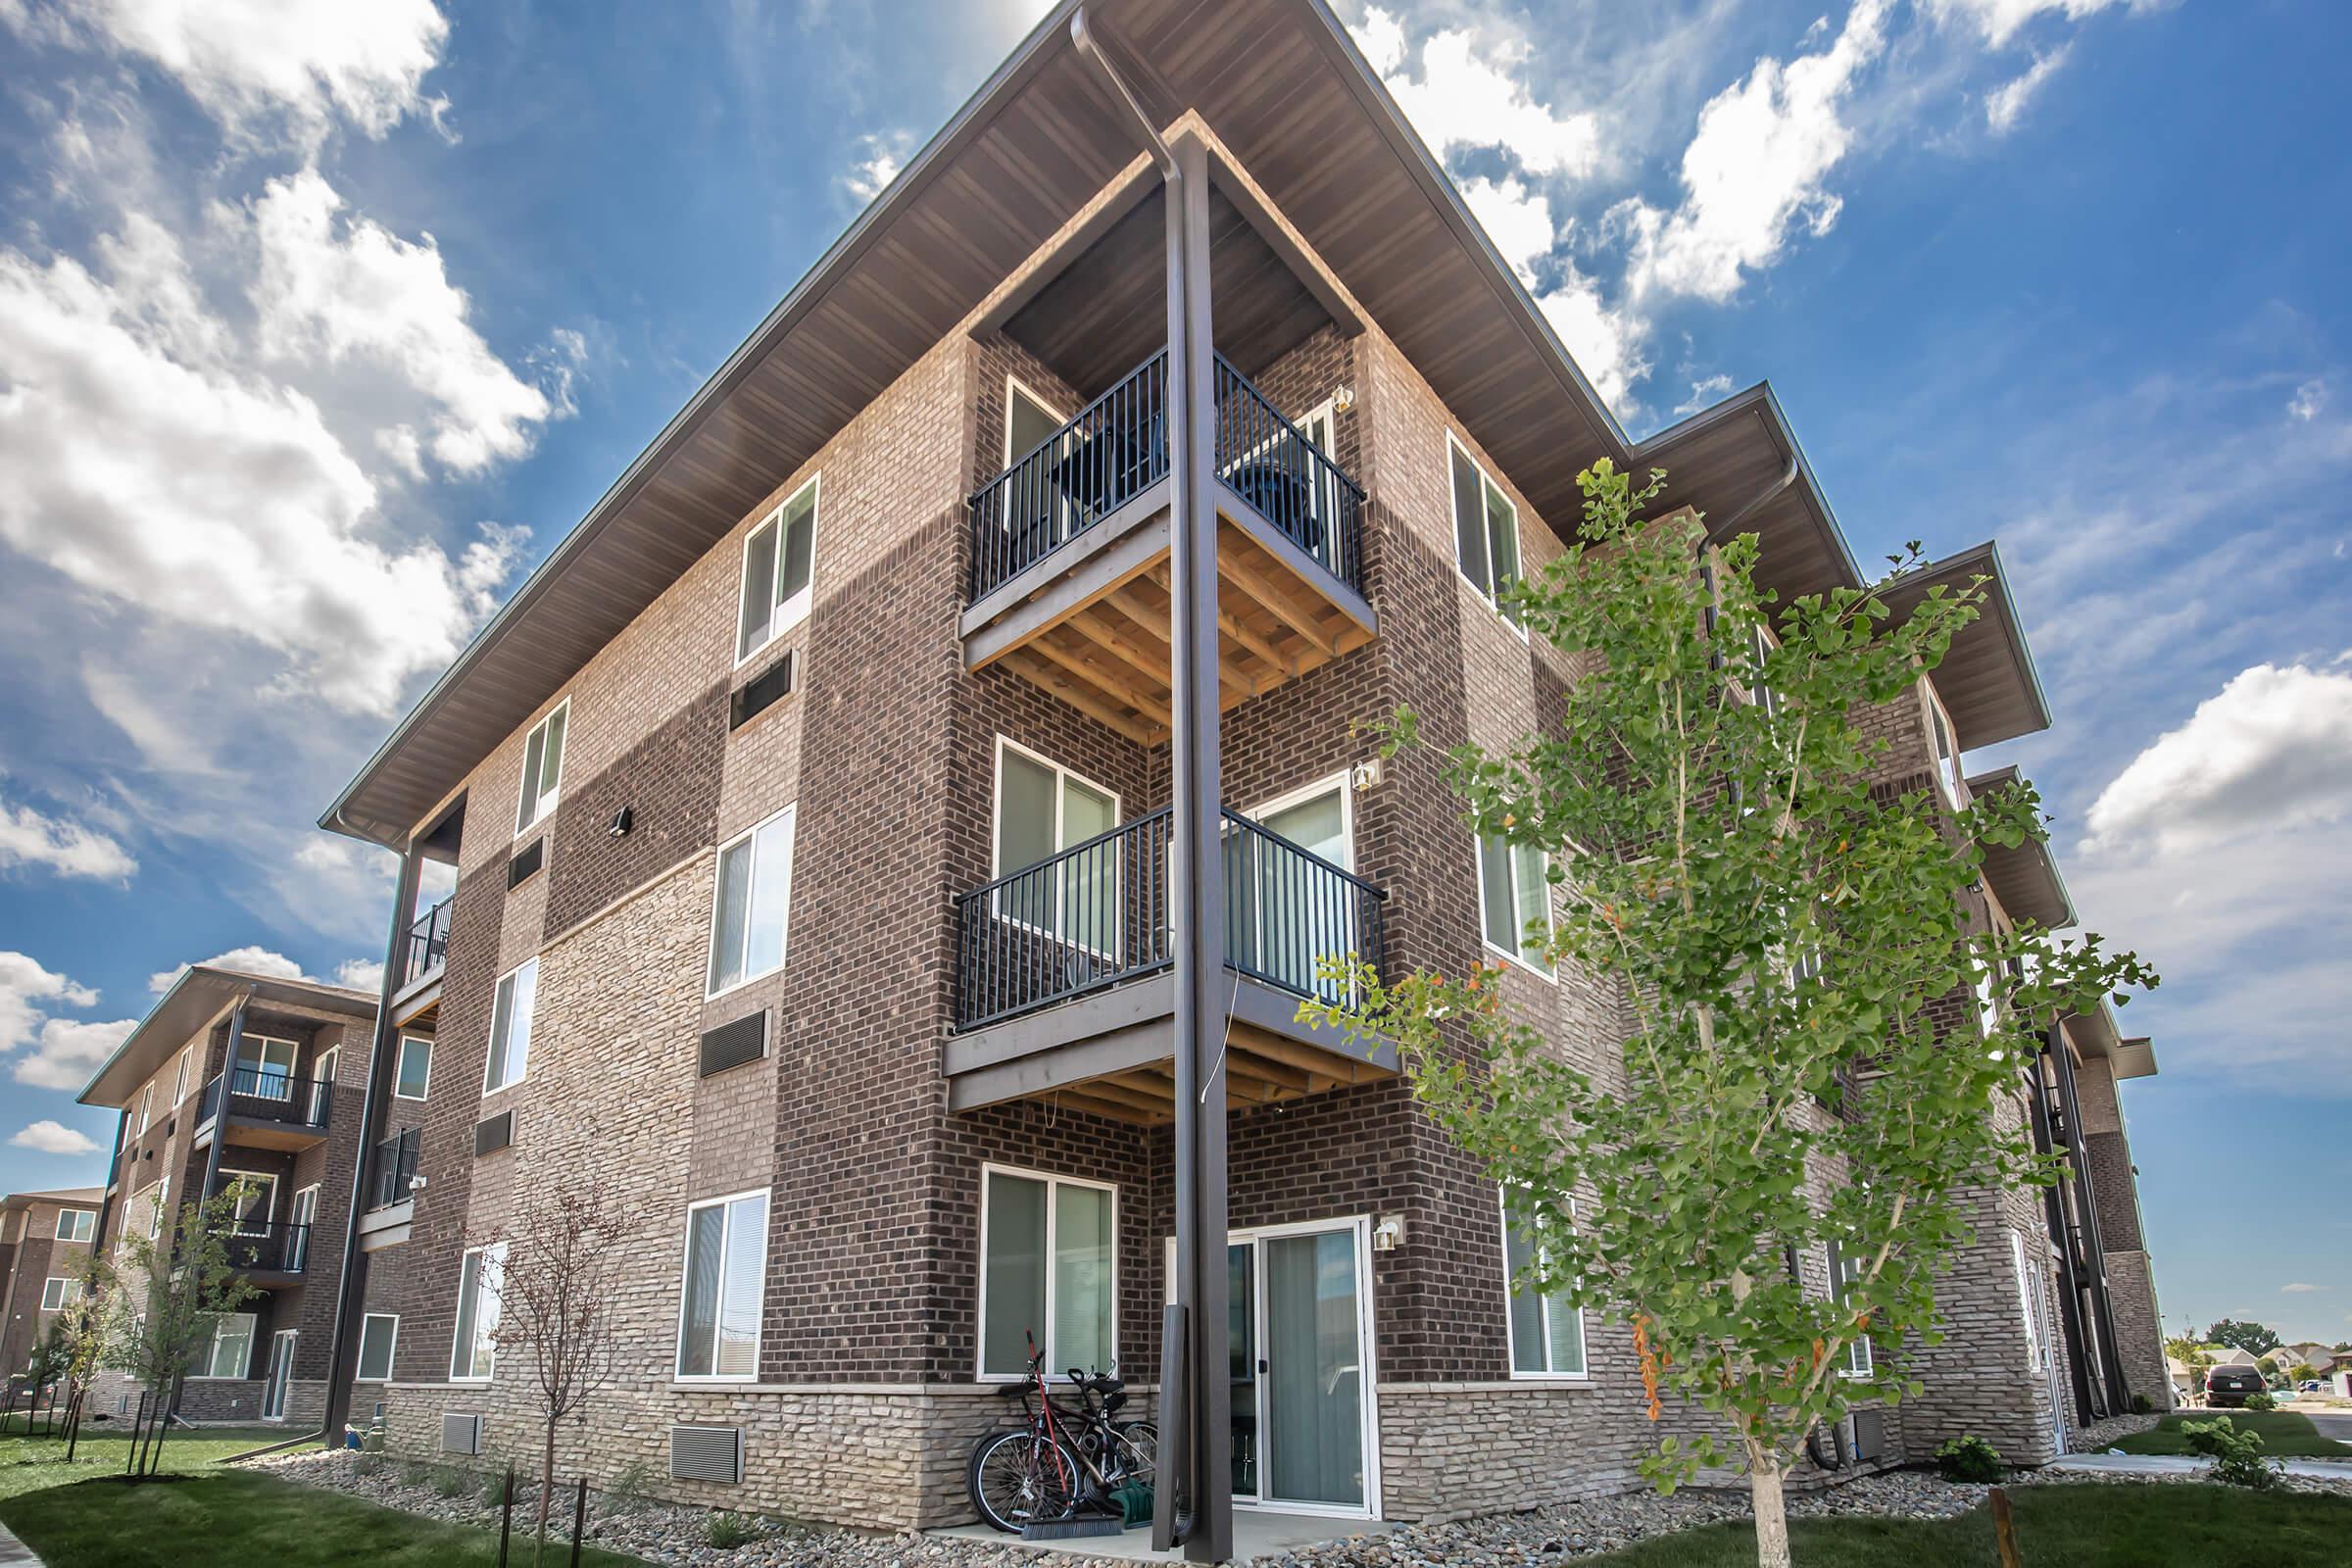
(2111, 1366)
(2053, 1199)
(351, 1287)
(229, 1079)
(1197, 879)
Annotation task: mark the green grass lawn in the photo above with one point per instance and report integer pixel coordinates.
(2079, 1524)
(2286, 1435)
(84, 1515)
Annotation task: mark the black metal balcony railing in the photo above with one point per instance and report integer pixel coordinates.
(429, 943)
(278, 1248)
(270, 1094)
(1098, 913)
(1293, 483)
(394, 1166)
(1114, 449)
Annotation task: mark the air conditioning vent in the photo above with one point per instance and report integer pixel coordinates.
(707, 1453)
(526, 861)
(493, 1133)
(1870, 1436)
(461, 1433)
(762, 691)
(731, 1045)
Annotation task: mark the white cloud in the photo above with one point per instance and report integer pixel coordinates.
(1517, 219)
(361, 974)
(2271, 752)
(327, 291)
(25, 985)
(53, 1137)
(256, 62)
(68, 1054)
(1605, 342)
(144, 460)
(2006, 104)
(1998, 21)
(1756, 170)
(2299, 1288)
(30, 838)
(65, 1053)
(1464, 100)
(1704, 393)
(878, 160)
(2309, 399)
(245, 961)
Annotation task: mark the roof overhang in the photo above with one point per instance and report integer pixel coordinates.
(2094, 1034)
(1283, 89)
(1987, 681)
(2136, 1058)
(201, 995)
(2026, 880)
(70, 1195)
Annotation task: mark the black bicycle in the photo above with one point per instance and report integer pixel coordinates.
(1062, 1459)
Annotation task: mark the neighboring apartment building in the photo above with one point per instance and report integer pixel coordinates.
(809, 813)
(232, 1078)
(45, 1242)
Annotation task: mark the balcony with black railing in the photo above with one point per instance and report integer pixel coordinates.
(266, 1107)
(1069, 583)
(1085, 925)
(392, 1169)
(427, 949)
(269, 1247)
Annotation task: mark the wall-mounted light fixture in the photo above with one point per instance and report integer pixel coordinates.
(1342, 400)
(1388, 1234)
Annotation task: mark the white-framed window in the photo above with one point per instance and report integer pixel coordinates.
(1547, 1331)
(1845, 1271)
(542, 769)
(76, 1224)
(750, 902)
(230, 1355)
(380, 1332)
(180, 1079)
(264, 1067)
(1049, 1269)
(718, 1296)
(324, 1067)
(256, 1200)
(511, 1027)
(146, 1103)
(474, 1347)
(58, 1293)
(779, 571)
(2028, 1303)
(152, 1196)
(1030, 421)
(1486, 528)
(1760, 646)
(1514, 891)
(1947, 748)
(1988, 1009)
(1044, 808)
(413, 1074)
(302, 1219)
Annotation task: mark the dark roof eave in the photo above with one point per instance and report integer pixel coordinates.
(1956, 572)
(170, 1008)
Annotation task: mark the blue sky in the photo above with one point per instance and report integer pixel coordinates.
(316, 332)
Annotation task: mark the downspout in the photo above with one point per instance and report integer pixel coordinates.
(1721, 532)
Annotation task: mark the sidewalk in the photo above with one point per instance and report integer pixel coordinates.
(14, 1554)
(2182, 1464)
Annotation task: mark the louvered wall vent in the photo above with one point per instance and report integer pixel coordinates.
(525, 861)
(731, 1045)
(461, 1433)
(493, 1133)
(762, 691)
(706, 1454)
(1870, 1436)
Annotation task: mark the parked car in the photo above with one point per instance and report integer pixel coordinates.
(2309, 1386)
(2228, 1386)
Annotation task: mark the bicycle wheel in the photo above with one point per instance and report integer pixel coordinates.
(1138, 1450)
(1018, 1478)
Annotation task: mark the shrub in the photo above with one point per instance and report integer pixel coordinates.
(2141, 1404)
(2261, 1402)
(2236, 1455)
(1969, 1458)
(727, 1531)
(631, 1489)
(415, 1473)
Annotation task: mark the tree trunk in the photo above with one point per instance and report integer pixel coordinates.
(547, 1489)
(1764, 1477)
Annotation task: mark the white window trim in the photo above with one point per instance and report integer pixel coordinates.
(997, 869)
(211, 1352)
(545, 806)
(494, 1257)
(64, 1232)
(718, 887)
(491, 1056)
(1494, 599)
(787, 614)
(1583, 1375)
(1014, 384)
(391, 1356)
(2029, 1315)
(260, 1065)
(1478, 870)
(180, 1079)
(59, 1285)
(1048, 1341)
(426, 1040)
(146, 1103)
(677, 1358)
(1835, 1259)
(1342, 781)
(1953, 788)
(326, 1065)
(267, 1180)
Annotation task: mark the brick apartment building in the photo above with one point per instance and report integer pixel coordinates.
(46, 1241)
(231, 1078)
(810, 817)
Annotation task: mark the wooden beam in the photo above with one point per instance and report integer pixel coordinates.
(1248, 568)
(1092, 626)
(1274, 1072)
(1114, 1087)
(1281, 663)
(1109, 682)
(1039, 673)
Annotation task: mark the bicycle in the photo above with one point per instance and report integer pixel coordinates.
(1060, 1458)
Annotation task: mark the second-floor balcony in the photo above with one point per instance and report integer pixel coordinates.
(1071, 583)
(266, 1108)
(279, 1250)
(423, 956)
(1064, 983)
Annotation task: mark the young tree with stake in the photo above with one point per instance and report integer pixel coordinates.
(1784, 943)
(188, 1280)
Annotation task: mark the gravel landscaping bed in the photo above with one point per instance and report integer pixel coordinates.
(2094, 1438)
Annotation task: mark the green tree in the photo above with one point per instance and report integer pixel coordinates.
(2255, 1339)
(2190, 1353)
(84, 1322)
(188, 1281)
(1787, 946)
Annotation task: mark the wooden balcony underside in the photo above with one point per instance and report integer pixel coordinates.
(1095, 632)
